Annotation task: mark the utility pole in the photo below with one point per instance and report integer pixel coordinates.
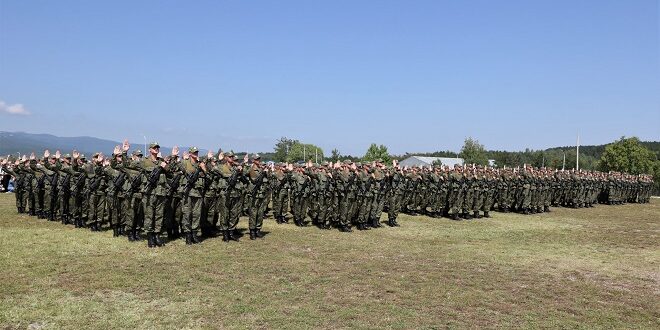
(577, 156)
(563, 165)
(304, 153)
(145, 145)
(316, 155)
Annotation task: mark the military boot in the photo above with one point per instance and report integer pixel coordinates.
(157, 240)
(195, 238)
(253, 235)
(486, 215)
(150, 240)
(455, 217)
(233, 235)
(546, 209)
(390, 223)
(115, 231)
(189, 240)
(259, 233)
(376, 223)
(476, 215)
(225, 236)
(137, 234)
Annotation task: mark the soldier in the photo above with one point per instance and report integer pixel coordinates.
(156, 171)
(325, 196)
(456, 193)
(280, 183)
(232, 172)
(377, 190)
(364, 199)
(346, 190)
(299, 193)
(395, 187)
(193, 193)
(258, 190)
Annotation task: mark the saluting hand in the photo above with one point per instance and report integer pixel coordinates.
(126, 146)
(116, 151)
(46, 153)
(175, 151)
(186, 155)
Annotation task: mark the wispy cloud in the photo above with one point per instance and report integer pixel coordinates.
(13, 109)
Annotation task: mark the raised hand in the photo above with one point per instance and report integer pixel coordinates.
(246, 158)
(75, 154)
(46, 153)
(57, 154)
(126, 146)
(221, 155)
(175, 151)
(116, 151)
(32, 156)
(202, 165)
(186, 155)
(209, 154)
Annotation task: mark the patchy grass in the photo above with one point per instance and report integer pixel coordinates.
(585, 268)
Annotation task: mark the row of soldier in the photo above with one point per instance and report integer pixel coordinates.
(192, 196)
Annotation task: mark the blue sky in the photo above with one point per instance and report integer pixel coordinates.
(413, 75)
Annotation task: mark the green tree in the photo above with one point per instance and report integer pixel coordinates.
(628, 155)
(377, 152)
(282, 148)
(304, 152)
(473, 152)
(335, 155)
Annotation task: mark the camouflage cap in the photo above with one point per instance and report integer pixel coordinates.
(137, 152)
(230, 154)
(154, 145)
(325, 164)
(67, 156)
(82, 156)
(348, 162)
(193, 150)
(256, 156)
(96, 154)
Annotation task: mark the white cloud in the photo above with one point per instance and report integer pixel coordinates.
(13, 109)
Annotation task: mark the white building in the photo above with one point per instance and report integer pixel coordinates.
(421, 161)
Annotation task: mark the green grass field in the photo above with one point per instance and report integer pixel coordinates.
(585, 268)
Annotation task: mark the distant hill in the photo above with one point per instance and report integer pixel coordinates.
(25, 143)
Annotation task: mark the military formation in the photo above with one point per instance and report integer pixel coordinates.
(196, 197)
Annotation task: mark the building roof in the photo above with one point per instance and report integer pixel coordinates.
(422, 161)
